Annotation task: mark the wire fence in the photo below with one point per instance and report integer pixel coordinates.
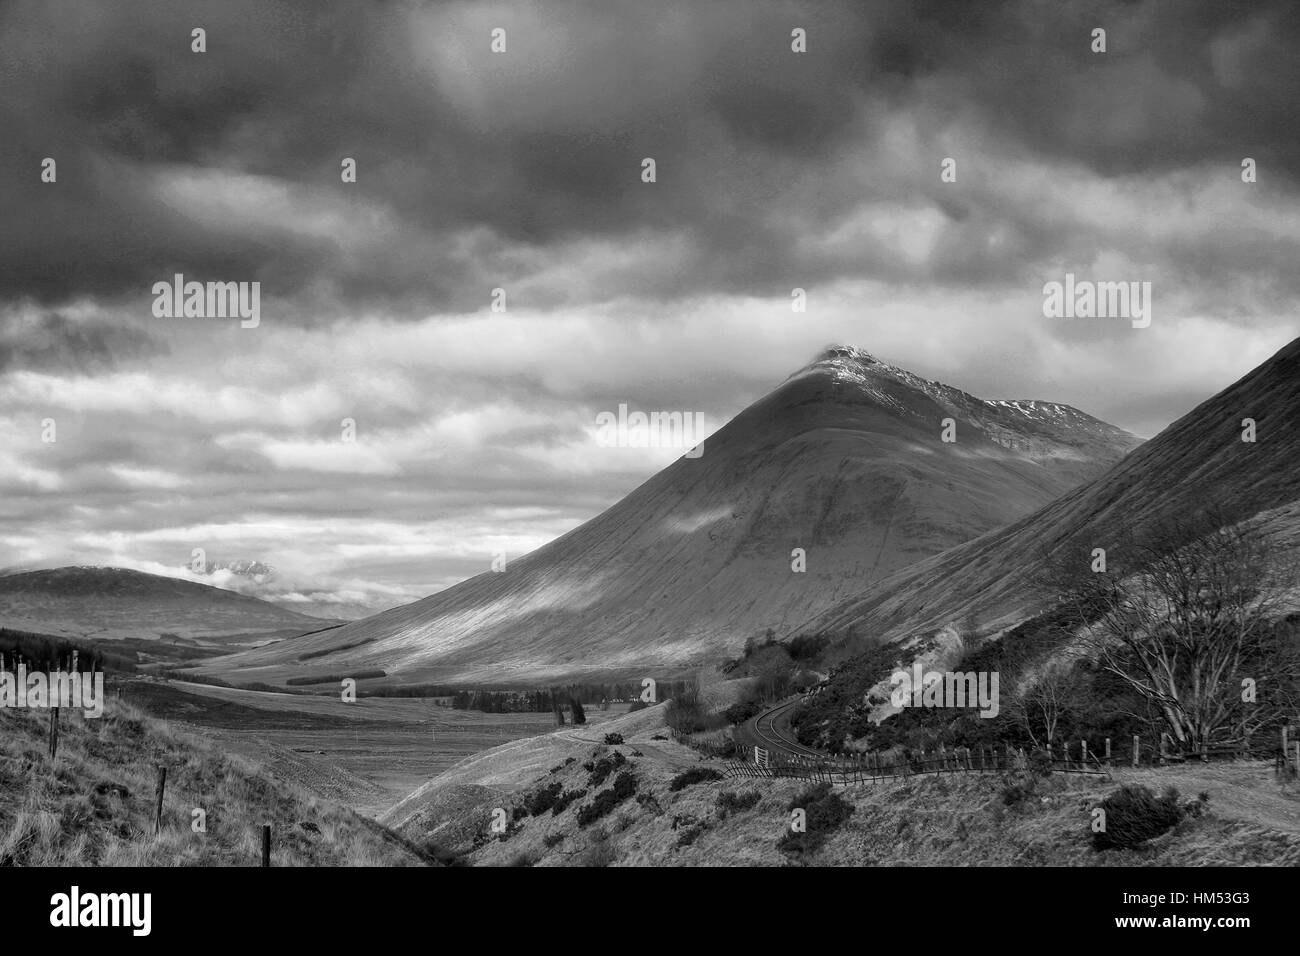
(1075, 757)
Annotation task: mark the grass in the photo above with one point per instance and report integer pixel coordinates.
(94, 805)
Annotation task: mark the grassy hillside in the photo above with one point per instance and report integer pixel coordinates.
(566, 807)
(929, 821)
(94, 806)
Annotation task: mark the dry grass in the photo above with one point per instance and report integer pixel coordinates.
(928, 821)
(94, 806)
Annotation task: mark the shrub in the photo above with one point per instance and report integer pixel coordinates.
(637, 704)
(648, 801)
(695, 775)
(805, 647)
(563, 800)
(552, 841)
(1016, 789)
(689, 835)
(739, 713)
(613, 739)
(824, 811)
(729, 802)
(687, 714)
(600, 770)
(539, 801)
(607, 800)
(1135, 815)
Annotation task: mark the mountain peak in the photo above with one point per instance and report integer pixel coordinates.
(834, 352)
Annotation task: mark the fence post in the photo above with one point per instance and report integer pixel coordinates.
(54, 732)
(158, 808)
(1297, 756)
(1284, 746)
(1135, 749)
(1107, 751)
(266, 844)
(1083, 754)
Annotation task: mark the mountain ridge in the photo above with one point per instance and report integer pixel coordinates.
(843, 460)
(1201, 455)
(111, 603)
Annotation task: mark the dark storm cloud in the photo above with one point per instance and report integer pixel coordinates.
(53, 342)
(541, 146)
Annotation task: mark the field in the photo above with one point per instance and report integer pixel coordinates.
(366, 755)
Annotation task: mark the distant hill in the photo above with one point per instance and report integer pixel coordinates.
(844, 460)
(96, 603)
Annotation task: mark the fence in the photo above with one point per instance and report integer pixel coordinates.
(724, 747)
(1079, 757)
(875, 767)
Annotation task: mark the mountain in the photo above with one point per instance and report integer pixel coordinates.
(116, 604)
(844, 460)
(1199, 461)
(244, 568)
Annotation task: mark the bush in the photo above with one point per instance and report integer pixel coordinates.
(805, 647)
(687, 714)
(729, 802)
(552, 841)
(539, 801)
(824, 811)
(613, 739)
(1135, 815)
(739, 713)
(693, 776)
(563, 800)
(605, 802)
(689, 835)
(1017, 788)
(637, 704)
(600, 770)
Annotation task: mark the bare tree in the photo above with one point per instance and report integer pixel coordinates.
(1187, 625)
(1039, 707)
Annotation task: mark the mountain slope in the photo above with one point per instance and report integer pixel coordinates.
(116, 604)
(95, 805)
(1199, 461)
(844, 460)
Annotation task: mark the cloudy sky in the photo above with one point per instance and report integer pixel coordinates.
(522, 170)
